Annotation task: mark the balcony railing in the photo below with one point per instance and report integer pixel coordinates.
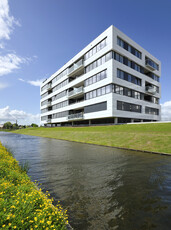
(76, 66)
(48, 104)
(150, 64)
(49, 86)
(48, 120)
(151, 89)
(76, 116)
(76, 91)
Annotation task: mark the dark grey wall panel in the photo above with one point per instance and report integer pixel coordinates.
(96, 107)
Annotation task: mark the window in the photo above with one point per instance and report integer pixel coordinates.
(95, 78)
(128, 47)
(128, 77)
(95, 49)
(152, 111)
(98, 62)
(121, 105)
(99, 92)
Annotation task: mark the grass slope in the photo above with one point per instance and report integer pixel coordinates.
(154, 137)
(22, 205)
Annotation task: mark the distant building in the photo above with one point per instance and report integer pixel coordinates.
(112, 80)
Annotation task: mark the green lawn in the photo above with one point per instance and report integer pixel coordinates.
(154, 137)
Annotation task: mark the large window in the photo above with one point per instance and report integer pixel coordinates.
(127, 92)
(98, 62)
(133, 65)
(95, 78)
(151, 63)
(44, 95)
(128, 47)
(56, 78)
(128, 77)
(60, 105)
(62, 84)
(59, 115)
(152, 111)
(121, 59)
(121, 105)
(99, 92)
(95, 49)
(59, 95)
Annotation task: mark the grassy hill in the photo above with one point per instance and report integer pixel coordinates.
(155, 137)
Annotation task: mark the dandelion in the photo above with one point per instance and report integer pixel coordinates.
(35, 218)
(49, 222)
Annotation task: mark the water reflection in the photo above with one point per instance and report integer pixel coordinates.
(102, 188)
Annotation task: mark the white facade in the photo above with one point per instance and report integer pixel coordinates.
(112, 80)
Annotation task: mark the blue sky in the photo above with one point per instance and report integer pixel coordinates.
(37, 37)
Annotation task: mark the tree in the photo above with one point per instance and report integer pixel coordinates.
(34, 125)
(15, 126)
(7, 125)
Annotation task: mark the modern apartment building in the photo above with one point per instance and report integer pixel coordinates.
(112, 80)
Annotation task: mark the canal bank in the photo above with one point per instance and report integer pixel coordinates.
(101, 187)
(154, 138)
(23, 205)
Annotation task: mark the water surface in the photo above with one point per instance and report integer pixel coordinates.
(101, 187)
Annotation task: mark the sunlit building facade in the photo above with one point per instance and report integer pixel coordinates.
(112, 80)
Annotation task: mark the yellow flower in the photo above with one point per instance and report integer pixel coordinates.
(9, 224)
(15, 227)
(49, 222)
(35, 226)
(35, 218)
(3, 225)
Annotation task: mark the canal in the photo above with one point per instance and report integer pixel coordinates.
(101, 187)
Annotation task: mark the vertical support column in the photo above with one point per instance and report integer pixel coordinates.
(115, 120)
(72, 123)
(141, 120)
(89, 122)
(132, 120)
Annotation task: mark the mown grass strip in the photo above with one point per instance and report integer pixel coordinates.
(22, 205)
(155, 137)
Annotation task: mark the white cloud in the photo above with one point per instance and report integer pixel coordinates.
(22, 117)
(166, 111)
(7, 22)
(20, 79)
(3, 85)
(34, 83)
(9, 63)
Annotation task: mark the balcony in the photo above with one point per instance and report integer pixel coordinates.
(76, 92)
(48, 104)
(76, 67)
(76, 116)
(151, 89)
(49, 86)
(150, 64)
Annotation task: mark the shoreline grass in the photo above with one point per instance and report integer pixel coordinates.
(22, 204)
(154, 137)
